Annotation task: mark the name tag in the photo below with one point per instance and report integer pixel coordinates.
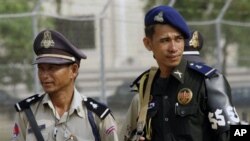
(41, 127)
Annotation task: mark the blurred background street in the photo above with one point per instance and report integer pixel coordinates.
(110, 32)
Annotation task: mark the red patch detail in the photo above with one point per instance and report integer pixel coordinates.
(110, 130)
(16, 130)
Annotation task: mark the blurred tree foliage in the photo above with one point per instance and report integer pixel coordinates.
(16, 37)
(16, 40)
(209, 10)
(16, 34)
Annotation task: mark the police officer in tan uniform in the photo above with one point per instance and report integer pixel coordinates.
(179, 100)
(61, 113)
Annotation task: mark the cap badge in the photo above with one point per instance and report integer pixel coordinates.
(47, 40)
(194, 42)
(184, 96)
(159, 17)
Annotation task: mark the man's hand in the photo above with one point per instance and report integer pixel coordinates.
(141, 139)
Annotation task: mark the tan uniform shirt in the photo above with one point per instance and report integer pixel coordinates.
(130, 123)
(74, 124)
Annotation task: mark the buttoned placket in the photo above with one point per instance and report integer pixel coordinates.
(165, 107)
(60, 123)
(165, 99)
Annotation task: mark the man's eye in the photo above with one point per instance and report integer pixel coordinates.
(54, 67)
(165, 40)
(179, 38)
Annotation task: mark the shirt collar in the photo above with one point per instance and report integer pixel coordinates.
(76, 104)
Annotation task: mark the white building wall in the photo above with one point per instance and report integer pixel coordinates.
(129, 49)
(123, 31)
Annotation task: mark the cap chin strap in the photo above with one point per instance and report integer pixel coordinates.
(191, 53)
(57, 56)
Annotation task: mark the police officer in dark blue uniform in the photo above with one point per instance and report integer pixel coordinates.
(179, 100)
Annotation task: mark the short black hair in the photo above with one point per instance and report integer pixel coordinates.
(149, 30)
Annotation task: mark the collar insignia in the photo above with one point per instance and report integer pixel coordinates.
(184, 96)
(159, 17)
(194, 42)
(198, 66)
(177, 72)
(94, 105)
(47, 40)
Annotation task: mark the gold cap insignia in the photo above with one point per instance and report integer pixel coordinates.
(184, 96)
(194, 42)
(159, 17)
(47, 40)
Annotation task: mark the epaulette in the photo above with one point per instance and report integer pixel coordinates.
(24, 104)
(203, 69)
(98, 108)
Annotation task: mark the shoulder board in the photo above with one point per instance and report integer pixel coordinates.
(203, 69)
(24, 104)
(135, 85)
(137, 80)
(98, 108)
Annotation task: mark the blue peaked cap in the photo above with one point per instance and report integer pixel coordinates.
(167, 15)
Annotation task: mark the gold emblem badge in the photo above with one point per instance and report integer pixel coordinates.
(159, 17)
(47, 40)
(194, 42)
(184, 96)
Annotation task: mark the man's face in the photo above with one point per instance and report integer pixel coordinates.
(56, 78)
(167, 45)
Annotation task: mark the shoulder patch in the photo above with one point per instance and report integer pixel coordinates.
(98, 108)
(24, 104)
(203, 69)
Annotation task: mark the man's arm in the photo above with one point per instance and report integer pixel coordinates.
(109, 131)
(221, 112)
(130, 122)
(19, 129)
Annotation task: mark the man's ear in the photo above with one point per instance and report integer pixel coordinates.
(147, 43)
(74, 69)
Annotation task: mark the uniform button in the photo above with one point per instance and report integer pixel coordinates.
(166, 119)
(166, 97)
(183, 112)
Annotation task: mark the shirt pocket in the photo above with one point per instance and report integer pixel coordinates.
(30, 136)
(186, 110)
(186, 117)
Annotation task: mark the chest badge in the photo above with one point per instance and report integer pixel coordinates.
(184, 96)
